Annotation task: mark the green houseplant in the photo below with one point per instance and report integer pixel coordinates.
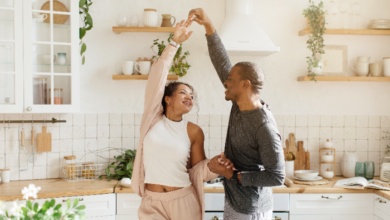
(123, 166)
(87, 24)
(180, 65)
(315, 15)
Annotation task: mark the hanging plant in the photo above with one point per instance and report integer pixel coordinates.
(87, 24)
(316, 19)
(180, 65)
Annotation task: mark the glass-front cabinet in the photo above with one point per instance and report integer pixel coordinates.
(48, 56)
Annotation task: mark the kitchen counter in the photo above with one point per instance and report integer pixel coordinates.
(52, 188)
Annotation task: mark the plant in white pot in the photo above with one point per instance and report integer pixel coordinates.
(315, 15)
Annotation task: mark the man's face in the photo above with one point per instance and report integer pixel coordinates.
(232, 85)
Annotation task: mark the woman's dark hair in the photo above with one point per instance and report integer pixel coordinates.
(170, 88)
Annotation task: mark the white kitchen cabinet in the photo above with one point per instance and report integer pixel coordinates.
(331, 217)
(127, 203)
(279, 216)
(381, 207)
(39, 59)
(352, 217)
(332, 204)
(310, 217)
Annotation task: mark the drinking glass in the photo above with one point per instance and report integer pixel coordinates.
(360, 169)
(333, 9)
(370, 170)
(357, 10)
(133, 21)
(122, 20)
(343, 10)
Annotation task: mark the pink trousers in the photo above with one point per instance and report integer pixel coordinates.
(175, 205)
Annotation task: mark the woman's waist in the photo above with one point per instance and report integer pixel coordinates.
(160, 192)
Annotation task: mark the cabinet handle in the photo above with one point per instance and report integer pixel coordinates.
(81, 199)
(29, 109)
(217, 218)
(327, 197)
(277, 218)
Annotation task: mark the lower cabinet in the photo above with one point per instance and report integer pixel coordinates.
(381, 207)
(331, 217)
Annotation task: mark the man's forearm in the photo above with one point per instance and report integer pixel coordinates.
(209, 29)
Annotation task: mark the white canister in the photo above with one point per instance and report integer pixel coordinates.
(386, 66)
(128, 67)
(150, 17)
(348, 163)
(385, 169)
(5, 175)
(289, 166)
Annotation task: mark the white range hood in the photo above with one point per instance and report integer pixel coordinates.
(241, 33)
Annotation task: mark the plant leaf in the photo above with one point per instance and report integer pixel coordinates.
(83, 60)
(108, 172)
(76, 201)
(83, 48)
(36, 207)
(29, 205)
(82, 32)
(68, 203)
(81, 3)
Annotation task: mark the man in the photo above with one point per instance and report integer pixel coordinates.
(253, 143)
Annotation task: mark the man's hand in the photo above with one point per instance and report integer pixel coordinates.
(181, 33)
(224, 161)
(218, 168)
(199, 16)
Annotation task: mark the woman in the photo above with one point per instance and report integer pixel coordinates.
(170, 145)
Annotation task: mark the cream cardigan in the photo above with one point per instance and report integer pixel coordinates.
(153, 113)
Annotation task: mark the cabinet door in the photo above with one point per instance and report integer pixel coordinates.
(127, 203)
(51, 56)
(11, 56)
(381, 207)
(352, 217)
(310, 217)
(127, 217)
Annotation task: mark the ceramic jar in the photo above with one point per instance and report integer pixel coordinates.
(167, 20)
(150, 18)
(348, 163)
(61, 58)
(386, 66)
(362, 66)
(319, 70)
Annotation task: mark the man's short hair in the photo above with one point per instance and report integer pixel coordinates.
(251, 71)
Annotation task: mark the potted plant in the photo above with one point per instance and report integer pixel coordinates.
(87, 24)
(316, 19)
(180, 64)
(123, 166)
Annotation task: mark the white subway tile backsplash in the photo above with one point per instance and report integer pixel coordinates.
(78, 119)
(12, 134)
(2, 147)
(91, 119)
(350, 121)
(287, 131)
(338, 121)
(115, 131)
(128, 143)
(103, 131)
(362, 145)
(41, 159)
(301, 120)
(215, 144)
(78, 145)
(11, 147)
(314, 120)
(374, 121)
(204, 120)
(115, 119)
(362, 133)
(326, 132)
(137, 131)
(326, 120)
(289, 121)
(90, 145)
(14, 173)
(103, 143)
(279, 120)
(137, 118)
(349, 133)
(55, 133)
(2, 134)
(363, 156)
(215, 132)
(314, 132)
(216, 120)
(374, 145)
(53, 158)
(128, 131)
(350, 145)
(27, 174)
(66, 145)
(206, 131)
(374, 156)
(374, 133)
(225, 120)
(337, 133)
(39, 172)
(78, 131)
(128, 118)
(301, 133)
(313, 145)
(65, 133)
(115, 143)
(2, 161)
(53, 172)
(224, 131)
(103, 119)
(90, 132)
(385, 121)
(362, 121)
(55, 146)
(68, 118)
(136, 140)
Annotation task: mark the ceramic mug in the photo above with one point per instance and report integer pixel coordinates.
(361, 66)
(5, 175)
(386, 66)
(375, 69)
(61, 58)
(128, 67)
(39, 17)
(143, 67)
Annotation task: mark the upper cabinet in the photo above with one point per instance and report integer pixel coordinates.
(39, 52)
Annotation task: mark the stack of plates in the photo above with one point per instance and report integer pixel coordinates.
(311, 179)
(382, 24)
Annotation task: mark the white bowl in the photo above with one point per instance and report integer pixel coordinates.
(306, 174)
(328, 174)
(328, 144)
(327, 158)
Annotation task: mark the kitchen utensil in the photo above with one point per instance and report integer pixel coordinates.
(360, 169)
(57, 7)
(61, 58)
(167, 20)
(288, 182)
(370, 170)
(306, 174)
(289, 169)
(386, 66)
(5, 175)
(291, 152)
(32, 158)
(307, 165)
(291, 139)
(44, 141)
(39, 17)
(125, 182)
(327, 158)
(301, 157)
(311, 179)
(328, 144)
(150, 18)
(348, 163)
(361, 66)
(375, 69)
(143, 67)
(385, 169)
(327, 174)
(290, 157)
(128, 67)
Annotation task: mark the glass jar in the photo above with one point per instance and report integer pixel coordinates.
(88, 170)
(370, 170)
(39, 91)
(360, 169)
(58, 97)
(70, 168)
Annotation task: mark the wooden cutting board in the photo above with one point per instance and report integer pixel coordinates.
(44, 141)
(302, 158)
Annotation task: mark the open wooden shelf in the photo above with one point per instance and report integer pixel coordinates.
(118, 30)
(345, 78)
(348, 31)
(140, 77)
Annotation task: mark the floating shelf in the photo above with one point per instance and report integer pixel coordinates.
(118, 30)
(345, 78)
(140, 77)
(348, 31)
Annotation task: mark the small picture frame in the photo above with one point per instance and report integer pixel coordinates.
(335, 60)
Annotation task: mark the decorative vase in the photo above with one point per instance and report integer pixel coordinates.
(61, 58)
(318, 70)
(348, 163)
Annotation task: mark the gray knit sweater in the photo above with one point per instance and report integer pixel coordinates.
(253, 144)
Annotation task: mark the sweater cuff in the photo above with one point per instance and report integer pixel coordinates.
(213, 39)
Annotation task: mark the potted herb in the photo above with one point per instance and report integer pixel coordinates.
(316, 19)
(87, 24)
(123, 167)
(180, 65)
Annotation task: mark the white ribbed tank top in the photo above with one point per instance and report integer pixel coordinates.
(166, 151)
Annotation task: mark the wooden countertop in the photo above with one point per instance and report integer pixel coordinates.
(52, 188)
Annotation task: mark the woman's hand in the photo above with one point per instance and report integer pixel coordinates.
(199, 16)
(224, 161)
(181, 33)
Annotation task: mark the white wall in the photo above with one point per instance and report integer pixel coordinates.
(280, 19)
